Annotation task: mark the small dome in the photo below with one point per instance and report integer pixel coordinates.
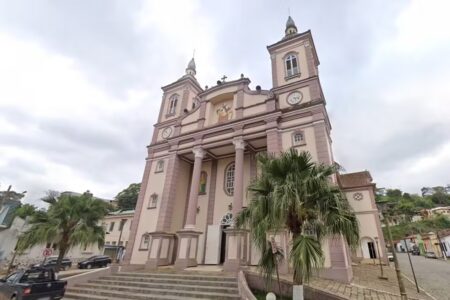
(191, 67)
(290, 22)
(290, 27)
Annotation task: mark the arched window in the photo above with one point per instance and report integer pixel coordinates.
(203, 181)
(145, 242)
(298, 138)
(229, 179)
(159, 166)
(153, 201)
(172, 104)
(291, 65)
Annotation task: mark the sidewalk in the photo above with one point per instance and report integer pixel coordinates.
(367, 286)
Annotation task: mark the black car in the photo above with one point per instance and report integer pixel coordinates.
(66, 263)
(32, 284)
(415, 252)
(95, 261)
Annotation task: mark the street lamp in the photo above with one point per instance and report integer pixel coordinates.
(379, 259)
(410, 263)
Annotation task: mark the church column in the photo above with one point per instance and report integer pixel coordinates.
(237, 239)
(188, 237)
(239, 145)
(195, 183)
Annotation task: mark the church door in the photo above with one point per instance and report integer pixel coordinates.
(223, 244)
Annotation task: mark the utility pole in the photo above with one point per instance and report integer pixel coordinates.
(122, 224)
(412, 268)
(444, 255)
(401, 285)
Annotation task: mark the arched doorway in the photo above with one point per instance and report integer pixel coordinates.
(368, 248)
(226, 222)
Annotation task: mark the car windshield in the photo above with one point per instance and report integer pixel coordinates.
(36, 276)
(93, 257)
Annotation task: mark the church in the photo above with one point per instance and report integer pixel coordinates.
(202, 157)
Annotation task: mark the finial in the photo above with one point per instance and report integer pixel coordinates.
(224, 78)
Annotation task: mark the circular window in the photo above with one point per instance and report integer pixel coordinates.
(358, 196)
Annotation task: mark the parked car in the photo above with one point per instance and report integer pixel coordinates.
(430, 254)
(66, 263)
(95, 261)
(32, 284)
(415, 252)
(390, 256)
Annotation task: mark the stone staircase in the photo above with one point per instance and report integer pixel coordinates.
(157, 285)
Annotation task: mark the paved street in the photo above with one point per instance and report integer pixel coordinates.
(432, 275)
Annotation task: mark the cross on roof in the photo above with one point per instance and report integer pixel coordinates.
(223, 78)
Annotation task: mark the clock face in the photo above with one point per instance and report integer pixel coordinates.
(295, 98)
(167, 132)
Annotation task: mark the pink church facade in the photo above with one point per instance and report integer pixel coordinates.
(202, 158)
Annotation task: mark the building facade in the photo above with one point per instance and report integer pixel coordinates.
(202, 158)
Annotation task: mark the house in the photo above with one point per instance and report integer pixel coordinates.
(117, 226)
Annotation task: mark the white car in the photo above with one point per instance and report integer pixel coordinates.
(390, 256)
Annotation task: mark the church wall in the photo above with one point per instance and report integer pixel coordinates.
(302, 61)
(149, 217)
(250, 100)
(310, 146)
(213, 114)
(192, 117)
(222, 200)
(190, 127)
(203, 213)
(306, 97)
(181, 197)
(363, 205)
(257, 109)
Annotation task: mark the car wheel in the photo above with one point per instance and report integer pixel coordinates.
(13, 298)
(89, 266)
(66, 268)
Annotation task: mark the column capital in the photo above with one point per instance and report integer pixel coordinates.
(198, 152)
(239, 143)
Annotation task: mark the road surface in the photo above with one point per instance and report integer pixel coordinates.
(433, 275)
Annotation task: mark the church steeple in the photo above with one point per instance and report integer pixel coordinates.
(291, 29)
(190, 70)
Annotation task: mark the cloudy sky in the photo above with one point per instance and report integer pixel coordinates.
(80, 82)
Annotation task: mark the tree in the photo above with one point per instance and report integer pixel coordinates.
(296, 194)
(26, 210)
(69, 221)
(127, 198)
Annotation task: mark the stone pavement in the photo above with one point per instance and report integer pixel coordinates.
(367, 286)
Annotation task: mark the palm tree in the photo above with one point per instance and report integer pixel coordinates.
(69, 221)
(296, 194)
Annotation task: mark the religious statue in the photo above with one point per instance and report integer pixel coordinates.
(224, 113)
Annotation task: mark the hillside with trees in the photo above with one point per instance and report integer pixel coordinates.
(403, 206)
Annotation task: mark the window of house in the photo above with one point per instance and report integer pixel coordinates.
(229, 179)
(145, 241)
(203, 181)
(113, 243)
(120, 243)
(107, 243)
(172, 105)
(298, 138)
(122, 223)
(291, 65)
(159, 166)
(111, 226)
(153, 201)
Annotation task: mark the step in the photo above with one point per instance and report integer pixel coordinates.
(117, 296)
(146, 293)
(231, 284)
(188, 287)
(193, 276)
(80, 296)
